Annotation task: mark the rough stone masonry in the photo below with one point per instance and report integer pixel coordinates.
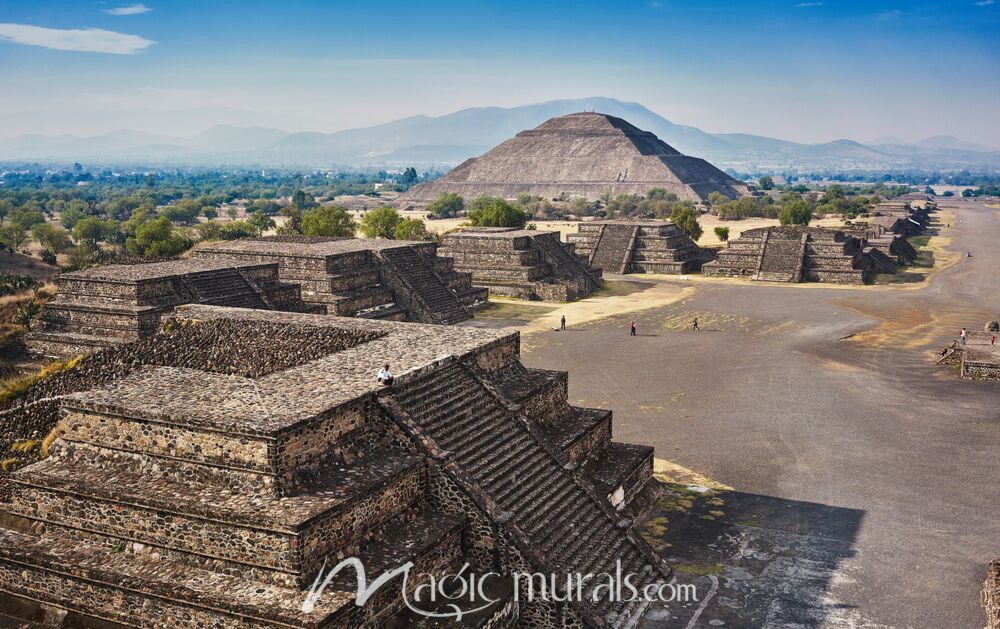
(208, 480)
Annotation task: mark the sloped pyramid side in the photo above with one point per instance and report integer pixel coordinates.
(584, 154)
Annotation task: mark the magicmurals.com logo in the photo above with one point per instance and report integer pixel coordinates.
(448, 591)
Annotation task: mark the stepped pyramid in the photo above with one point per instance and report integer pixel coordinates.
(585, 155)
(362, 277)
(795, 254)
(208, 490)
(114, 304)
(523, 263)
(634, 246)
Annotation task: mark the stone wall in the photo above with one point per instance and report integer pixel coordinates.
(991, 595)
(520, 263)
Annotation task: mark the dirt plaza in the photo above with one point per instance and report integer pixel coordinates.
(824, 471)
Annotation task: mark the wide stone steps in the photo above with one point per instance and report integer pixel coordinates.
(134, 587)
(454, 409)
(289, 535)
(612, 247)
(439, 300)
(224, 286)
(563, 262)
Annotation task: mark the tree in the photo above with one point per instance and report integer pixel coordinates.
(210, 212)
(237, 230)
(72, 213)
(380, 222)
(185, 212)
(54, 239)
(157, 238)
(716, 198)
(722, 233)
(328, 220)
(796, 212)
(766, 183)
(79, 257)
(26, 218)
(92, 230)
(447, 205)
(409, 176)
(686, 217)
(268, 206)
(209, 230)
(261, 222)
(410, 229)
(13, 235)
(302, 200)
(496, 212)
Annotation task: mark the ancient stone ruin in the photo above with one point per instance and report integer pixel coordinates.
(371, 278)
(380, 279)
(584, 155)
(628, 246)
(991, 595)
(209, 482)
(794, 254)
(114, 304)
(521, 263)
(978, 358)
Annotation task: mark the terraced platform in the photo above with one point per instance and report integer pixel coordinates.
(521, 263)
(369, 278)
(216, 489)
(633, 246)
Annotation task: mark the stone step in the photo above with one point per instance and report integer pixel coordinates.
(348, 303)
(579, 432)
(620, 465)
(143, 589)
(61, 344)
(290, 535)
(433, 295)
(544, 499)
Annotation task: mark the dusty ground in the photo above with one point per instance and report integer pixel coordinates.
(854, 482)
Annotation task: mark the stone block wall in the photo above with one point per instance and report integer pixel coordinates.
(520, 263)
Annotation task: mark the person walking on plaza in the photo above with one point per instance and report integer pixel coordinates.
(695, 325)
(631, 329)
(562, 322)
(961, 337)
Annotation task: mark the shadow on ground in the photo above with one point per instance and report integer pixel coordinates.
(756, 561)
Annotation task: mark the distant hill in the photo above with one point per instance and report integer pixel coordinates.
(444, 141)
(950, 142)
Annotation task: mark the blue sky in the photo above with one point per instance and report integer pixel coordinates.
(806, 71)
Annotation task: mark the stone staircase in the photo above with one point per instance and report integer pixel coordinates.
(428, 297)
(781, 258)
(358, 278)
(552, 515)
(226, 287)
(110, 305)
(613, 241)
(565, 263)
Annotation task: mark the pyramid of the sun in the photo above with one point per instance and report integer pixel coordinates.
(585, 155)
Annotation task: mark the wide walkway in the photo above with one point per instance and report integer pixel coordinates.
(867, 479)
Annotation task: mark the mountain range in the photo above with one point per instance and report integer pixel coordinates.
(444, 141)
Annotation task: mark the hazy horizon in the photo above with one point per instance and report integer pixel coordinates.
(802, 71)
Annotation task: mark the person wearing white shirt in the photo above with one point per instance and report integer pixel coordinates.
(385, 376)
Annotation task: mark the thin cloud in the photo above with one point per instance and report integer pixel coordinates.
(985, 3)
(887, 16)
(128, 9)
(803, 5)
(74, 39)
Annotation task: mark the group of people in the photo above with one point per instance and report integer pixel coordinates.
(963, 336)
(632, 328)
